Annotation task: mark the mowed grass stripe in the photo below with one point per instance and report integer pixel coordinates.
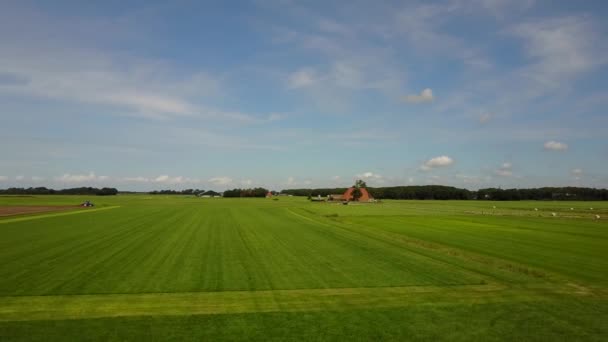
(484, 268)
(577, 257)
(60, 263)
(203, 248)
(230, 302)
(36, 216)
(385, 253)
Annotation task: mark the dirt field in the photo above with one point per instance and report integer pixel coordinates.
(20, 210)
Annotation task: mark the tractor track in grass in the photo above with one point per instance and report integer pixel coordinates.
(29, 308)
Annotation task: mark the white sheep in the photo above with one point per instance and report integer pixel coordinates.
(597, 217)
(494, 207)
(535, 209)
(571, 208)
(553, 214)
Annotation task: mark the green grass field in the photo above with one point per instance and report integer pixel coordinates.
(177, 268)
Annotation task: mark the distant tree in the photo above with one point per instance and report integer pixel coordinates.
(356, 194)
(360, 184)
(106, 192)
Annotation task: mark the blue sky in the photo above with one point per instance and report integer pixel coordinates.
(284, 94)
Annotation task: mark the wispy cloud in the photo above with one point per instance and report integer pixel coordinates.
(302, 78)
(63, 69)
(91, 177)
(577, 173)
(561, 47)
(222, 180)
(485, 118)
(505, 170)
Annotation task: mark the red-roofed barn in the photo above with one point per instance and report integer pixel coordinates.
(365, 196)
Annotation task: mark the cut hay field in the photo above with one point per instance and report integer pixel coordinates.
(182, 268)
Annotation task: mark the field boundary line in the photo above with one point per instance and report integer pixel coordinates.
(74, 212)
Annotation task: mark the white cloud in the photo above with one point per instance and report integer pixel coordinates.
(346, 59)
(37, 179)
(302, 78)
(3, 178)
(246, 182)
(441, 161)
(291, 181)
(20, 178)
(555, 146)
(80, 178)
(425, 95)
(505, 170)
(368, 175)
(220, 180)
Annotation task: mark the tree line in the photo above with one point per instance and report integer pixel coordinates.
(440, 192)
(71, 191)
(546, 193)
(393, 192)
(195, 192)
(177, 192)
(255, 192)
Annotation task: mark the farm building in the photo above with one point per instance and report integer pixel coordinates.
(336, 197)
(365, 196)
(348, 195)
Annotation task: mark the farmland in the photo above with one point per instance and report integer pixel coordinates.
(177, 267)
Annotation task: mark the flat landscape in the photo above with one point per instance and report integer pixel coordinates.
(179, 268)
